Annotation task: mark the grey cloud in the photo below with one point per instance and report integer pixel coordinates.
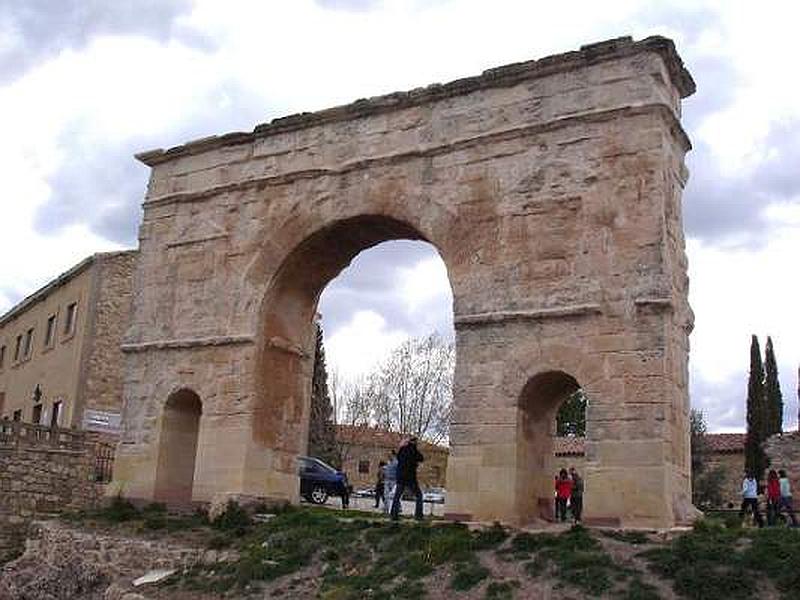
(43, 28)
(103, 185)
(725, 404)
(719, 207)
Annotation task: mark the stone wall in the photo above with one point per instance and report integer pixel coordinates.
(102, 368)
(42, 472)
(783, 451)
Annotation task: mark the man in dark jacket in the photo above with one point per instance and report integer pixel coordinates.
(408, 459)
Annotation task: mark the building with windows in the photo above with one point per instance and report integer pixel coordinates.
(60, 357)
(363, 448)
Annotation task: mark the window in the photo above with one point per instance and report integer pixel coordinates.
(37, 414)
(2, 402)
(17, 415)
(69, 320)
(26, 352)
(18, 349)
(50, 332)
(363, 466)
(55, 416)
(2, 356)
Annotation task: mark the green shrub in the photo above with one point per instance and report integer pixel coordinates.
(119, 510)
(233, 518)
(467, 575)
(501, 590)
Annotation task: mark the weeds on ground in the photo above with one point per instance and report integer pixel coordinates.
(708, 563)
(501, 590)
(359, 557)
(575, 558)
(629, 537)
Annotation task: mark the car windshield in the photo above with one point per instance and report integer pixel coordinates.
(317, 465)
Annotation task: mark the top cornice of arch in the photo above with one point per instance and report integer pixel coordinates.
(497, 77)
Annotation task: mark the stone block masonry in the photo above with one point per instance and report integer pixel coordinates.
(783, 451)
(552, 192)
(42, 471)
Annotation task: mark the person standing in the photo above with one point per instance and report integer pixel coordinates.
(380, 485)
(576, 499)
(750, 498)
(786, 496)
(408, 460)
(773, 497)
(389, 482)
(563, 492)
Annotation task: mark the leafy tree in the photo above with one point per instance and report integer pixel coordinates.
(321, 430)
(755, 460)
(571, 417)
(773, 396)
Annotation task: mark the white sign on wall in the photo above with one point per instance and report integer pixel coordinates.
(97, 420)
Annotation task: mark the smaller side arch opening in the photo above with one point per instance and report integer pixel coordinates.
(180, 424)
(539, 403)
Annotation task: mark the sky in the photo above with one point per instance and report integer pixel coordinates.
(85, 84)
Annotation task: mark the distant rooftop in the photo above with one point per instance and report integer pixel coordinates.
(721, 443)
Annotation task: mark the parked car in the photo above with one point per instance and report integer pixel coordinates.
(435, 495)
(318, 480)
(365, 493)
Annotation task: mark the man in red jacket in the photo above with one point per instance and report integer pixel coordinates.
(563, 492)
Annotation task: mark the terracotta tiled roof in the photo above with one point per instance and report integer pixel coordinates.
(726, 442)
(373, 436)
(569, 446)
(722, 443)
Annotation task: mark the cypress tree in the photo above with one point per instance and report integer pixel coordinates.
(754, 458)
(321, 430)
(774, 398)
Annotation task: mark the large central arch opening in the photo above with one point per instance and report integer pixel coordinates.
(288, 339)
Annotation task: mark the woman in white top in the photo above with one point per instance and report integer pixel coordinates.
(786, 497)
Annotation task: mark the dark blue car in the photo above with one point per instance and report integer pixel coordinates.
(318, 480)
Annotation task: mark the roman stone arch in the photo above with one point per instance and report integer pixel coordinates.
(552, 191)
(179, 429)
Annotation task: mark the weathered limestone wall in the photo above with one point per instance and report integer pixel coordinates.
(102, 369)
(42, 471)
(551, 189)
(783, 451)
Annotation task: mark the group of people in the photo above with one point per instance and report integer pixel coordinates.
(398, 475)
(569, 491)
(778, 494)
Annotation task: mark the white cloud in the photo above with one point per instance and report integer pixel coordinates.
(361, 344)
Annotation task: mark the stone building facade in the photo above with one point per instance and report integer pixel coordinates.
(60, 357)
(363, 448)
(552, 191)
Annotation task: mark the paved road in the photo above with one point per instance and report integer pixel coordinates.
(368, 504)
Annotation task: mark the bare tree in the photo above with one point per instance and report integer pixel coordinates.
(409, 392)
(413, 389)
